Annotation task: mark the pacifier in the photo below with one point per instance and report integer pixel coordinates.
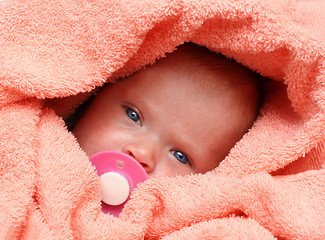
(119, 175)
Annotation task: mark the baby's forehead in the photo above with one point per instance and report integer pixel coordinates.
(198, 71)
(201, 64)
(201, 75)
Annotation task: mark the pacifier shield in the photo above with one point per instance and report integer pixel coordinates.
(119, 175)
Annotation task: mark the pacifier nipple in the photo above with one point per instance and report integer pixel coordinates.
(119, 175)
(115, 188)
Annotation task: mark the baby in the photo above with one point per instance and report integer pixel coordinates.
(181, 115)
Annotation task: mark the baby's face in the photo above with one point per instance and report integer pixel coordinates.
(162, 120)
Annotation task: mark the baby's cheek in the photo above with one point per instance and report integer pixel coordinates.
(90, 138)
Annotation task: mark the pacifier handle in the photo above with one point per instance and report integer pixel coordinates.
(119, 175)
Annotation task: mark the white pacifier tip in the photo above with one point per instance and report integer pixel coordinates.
(115, 188)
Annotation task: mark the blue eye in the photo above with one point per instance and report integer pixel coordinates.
(133, 115)
(181, 157)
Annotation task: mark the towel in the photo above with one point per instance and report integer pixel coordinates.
(54, 54)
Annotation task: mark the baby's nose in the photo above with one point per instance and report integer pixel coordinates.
(143, 154)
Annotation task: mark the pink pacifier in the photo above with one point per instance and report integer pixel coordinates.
(119, 175)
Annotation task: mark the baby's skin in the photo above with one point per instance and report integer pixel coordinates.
(175, 117)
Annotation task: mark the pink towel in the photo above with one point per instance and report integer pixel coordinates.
(53, 53)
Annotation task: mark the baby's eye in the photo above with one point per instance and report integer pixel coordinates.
(180, 157)
(133, 115)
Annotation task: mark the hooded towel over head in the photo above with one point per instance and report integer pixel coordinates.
(54, 53)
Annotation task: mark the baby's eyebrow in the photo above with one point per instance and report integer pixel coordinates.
(185, 145)
(137, 101)
(128, 93)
